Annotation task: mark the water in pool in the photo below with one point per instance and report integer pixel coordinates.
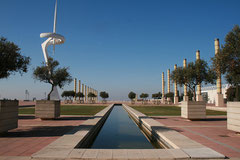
(120, 132)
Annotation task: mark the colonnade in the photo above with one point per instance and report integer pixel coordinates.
(83, 88)
(219, 96)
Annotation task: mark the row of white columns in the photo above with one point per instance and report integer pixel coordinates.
(219, 98)
(85, 90)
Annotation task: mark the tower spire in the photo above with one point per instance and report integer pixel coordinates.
(55, 18)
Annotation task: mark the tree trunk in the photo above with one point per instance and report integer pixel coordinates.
(50, 93)
(194, 94)
(237, 92)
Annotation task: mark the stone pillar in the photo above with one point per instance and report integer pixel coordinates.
(168, 76)
(163, 89)
(97, 96)
(83, 91)
(199, 94)
(136, 98)
(168, 85)
(85, 94)
(75, 87)
(79, 87)
(175, 89)
(219, 97)
(185, 97)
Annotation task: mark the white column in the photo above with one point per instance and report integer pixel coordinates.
(219, 97)
(199, 94)
(185, 97)
(75, 87)
(79, 87)
(163, 88)
(175, 89)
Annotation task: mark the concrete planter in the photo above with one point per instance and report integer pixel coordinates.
(45, 109)
(8, 115)
(193, 110)
(233, 116)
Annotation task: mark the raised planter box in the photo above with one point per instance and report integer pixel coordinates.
(8, 115)
(45, 109)
(193, 110)
(233, 116)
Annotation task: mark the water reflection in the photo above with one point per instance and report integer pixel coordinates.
(120, 132)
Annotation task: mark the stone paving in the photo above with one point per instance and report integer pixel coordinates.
(211, 132)
(33, 134)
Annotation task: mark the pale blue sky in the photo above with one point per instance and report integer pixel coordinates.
(114, 45)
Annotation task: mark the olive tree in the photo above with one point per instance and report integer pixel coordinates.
(227, 61)
(11, 60)
(131, 95)
(91, 96)
(195, 73)
(104, 95)
(51, 74)
(144, 96)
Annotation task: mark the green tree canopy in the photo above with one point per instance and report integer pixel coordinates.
(104, 95)
(131, 95)
(195, 73)
(91, 95)
(80, 95)
(11, 59)
(51, 74)
(144, 95)
(170, 95)
(157, 95)
(227, 61)
(68, 94)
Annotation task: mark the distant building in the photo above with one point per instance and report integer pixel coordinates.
(209, 93)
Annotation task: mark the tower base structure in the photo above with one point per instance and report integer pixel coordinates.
(199, 97)
(175, 100)
(219, 100)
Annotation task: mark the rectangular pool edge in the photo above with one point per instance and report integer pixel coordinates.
(64, 147)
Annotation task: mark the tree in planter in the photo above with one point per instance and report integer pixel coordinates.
(227, 61)
(195, 73)
(65, 94)
(71, 94)
(80, 95)
(231, 93)
(11, 59)
(156, 96)
(104, 95)
(144, 96)
(91, 96)
(51, 74)
(170, 95)
(132, 95)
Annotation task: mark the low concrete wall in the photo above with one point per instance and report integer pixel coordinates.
(45, 109)
(193, 109)
(64, 148)
(233, 116)
(8, 115)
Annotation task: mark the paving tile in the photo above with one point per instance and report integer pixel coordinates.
(149, 154)
(119, 154)
(178, 153)
(76, 153)
(52, 153)
(164, 154)
(134, 154)
(203, 153)
(104, 154)
(90, 154)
